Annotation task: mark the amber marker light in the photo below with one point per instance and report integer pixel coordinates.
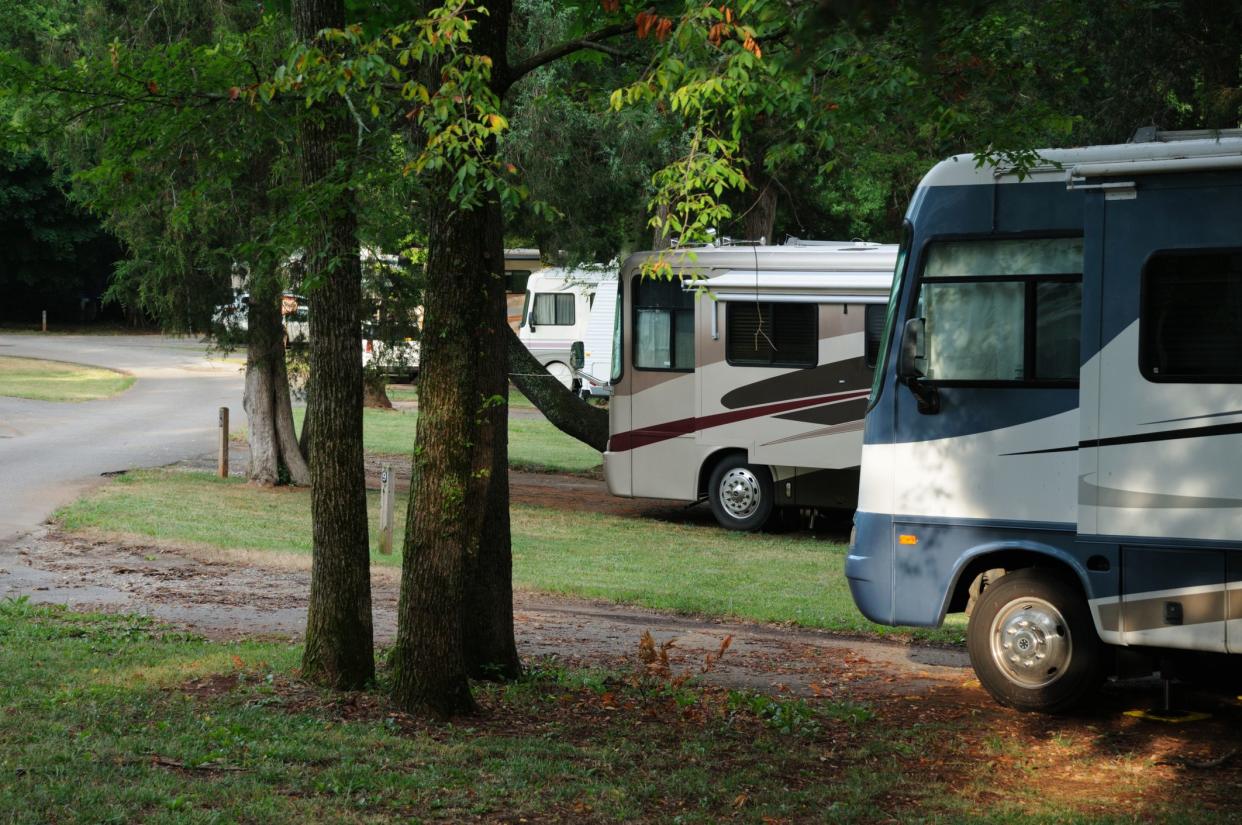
(907, 538)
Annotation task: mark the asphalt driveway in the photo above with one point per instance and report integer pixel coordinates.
(50, 452)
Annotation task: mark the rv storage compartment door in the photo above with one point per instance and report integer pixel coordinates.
(1173, 598)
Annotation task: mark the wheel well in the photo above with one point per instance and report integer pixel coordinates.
(1007, 560)
(709, 464)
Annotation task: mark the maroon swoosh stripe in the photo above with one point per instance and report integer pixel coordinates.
(633, 439)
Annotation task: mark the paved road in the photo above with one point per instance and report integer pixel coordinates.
(51, 452)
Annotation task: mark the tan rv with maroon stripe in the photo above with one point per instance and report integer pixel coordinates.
(743, 380)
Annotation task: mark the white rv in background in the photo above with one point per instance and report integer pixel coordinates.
(557, 314)
(595, 374)
(743, 380)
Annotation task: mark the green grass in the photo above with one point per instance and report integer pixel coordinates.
(117, 719)
(58, 380)
(534, 444)
(409, 392)
(689, 569)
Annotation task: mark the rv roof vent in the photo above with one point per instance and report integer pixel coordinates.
(1152, 134)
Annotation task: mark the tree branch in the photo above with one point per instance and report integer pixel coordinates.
(591, 41)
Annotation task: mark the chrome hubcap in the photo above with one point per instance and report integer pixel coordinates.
(1030, 642)
(562, 373)
(740, 493)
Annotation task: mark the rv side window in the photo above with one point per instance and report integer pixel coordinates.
(663, 325)
(873, 333)
(554, 309)
(1189, 324)
(1002, 310)
(763, 334)
(515, 280)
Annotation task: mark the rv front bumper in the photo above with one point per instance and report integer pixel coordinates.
(869, 566)
(617, 473)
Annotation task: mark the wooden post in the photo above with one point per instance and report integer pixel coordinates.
(224, 442)
(45, 320)
(388, 488)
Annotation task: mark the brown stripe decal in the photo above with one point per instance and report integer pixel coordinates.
(671, 429)
(838, 413)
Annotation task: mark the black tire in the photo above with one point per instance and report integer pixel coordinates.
(750, 506)
(1039, 621)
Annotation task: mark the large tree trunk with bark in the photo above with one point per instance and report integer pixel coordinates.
(447, 496)
(456, 464)
(569, 413)
(339, 643)
(268, 405)
(487, 632)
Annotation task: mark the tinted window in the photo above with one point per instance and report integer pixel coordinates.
(1190, 324)
(1003, 310)
(772, 334)
(663, 324)
(515, 280)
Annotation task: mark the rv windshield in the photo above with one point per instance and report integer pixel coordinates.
(899, 271)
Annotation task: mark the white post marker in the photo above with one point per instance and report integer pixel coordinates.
(388, 488)
(45, 320)
(224, 443)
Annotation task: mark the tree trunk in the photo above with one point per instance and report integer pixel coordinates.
(569, 413)
(660, 239)
(760, 222)
(269, 408)
(447, 497)
(487, 633)
(339, 642)
(455, 455)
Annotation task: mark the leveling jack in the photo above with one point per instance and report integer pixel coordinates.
(1167, 713)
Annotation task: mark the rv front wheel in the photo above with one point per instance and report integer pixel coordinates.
(563, 374)
(1032, 642)
(740, 493)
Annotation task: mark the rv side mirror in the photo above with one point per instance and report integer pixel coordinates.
(577, 356)
(911, 350)
(908, 372)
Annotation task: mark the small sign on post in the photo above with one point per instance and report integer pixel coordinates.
(224, 443)
(388, 489)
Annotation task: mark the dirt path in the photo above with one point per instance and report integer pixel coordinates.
(234, 595)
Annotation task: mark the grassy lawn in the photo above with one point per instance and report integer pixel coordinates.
(58, 380)
(534, 444)
(690, 569)
(116, 719)
(409, 392)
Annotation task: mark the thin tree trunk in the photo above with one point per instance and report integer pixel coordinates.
(660, 239)
(339, 643)
(490, 647)
(569, 413)
(291, 456)
(269, 408)
(262, 334)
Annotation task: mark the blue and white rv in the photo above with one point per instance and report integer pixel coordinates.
(1053, 442)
